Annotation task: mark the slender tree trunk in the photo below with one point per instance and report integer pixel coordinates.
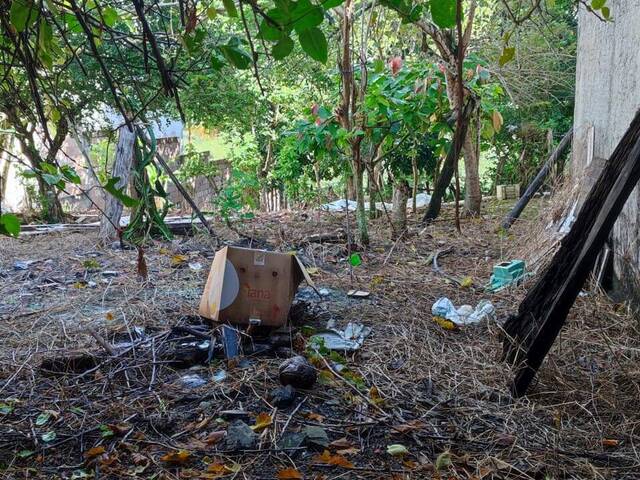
(121, 169)
(361, 214)
(472, 193)
(399, 213)
(414, 167)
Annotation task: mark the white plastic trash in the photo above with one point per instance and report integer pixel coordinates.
(466, 314)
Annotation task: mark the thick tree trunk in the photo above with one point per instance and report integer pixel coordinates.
(121, 169)
(472, 193)
(399, 213)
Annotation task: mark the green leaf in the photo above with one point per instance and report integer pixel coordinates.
(22, 14)
(508, 54)
(230, 7)
(9, 225)
(443, 460)
(272, 28)
(217, 62)
(110, 16)
(212, 13)
(70, 174)
(49, 436)
(355, 260)
(118, 193)
(397, 450)
(43, 418)
(105, 431)
(5, 408)
(598, 4)
(282, 48)
(25, 453)
(443, 12)
(306, 15)
(236, 56)
(332, 3)
(314, 43)
(606, 13)
(52, 179)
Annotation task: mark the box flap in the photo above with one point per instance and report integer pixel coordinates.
(300, 269)
(211, 301)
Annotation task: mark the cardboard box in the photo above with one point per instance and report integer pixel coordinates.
(251, 287)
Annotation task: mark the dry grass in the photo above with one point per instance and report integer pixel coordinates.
(579, 421)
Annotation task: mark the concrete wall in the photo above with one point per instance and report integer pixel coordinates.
(607, 98)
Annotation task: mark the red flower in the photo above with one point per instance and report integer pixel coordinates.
(395, 64)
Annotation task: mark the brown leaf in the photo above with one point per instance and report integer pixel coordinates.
(315, 417)
(329, 459)
(215, 437)
(610, 442)
(340, 443)
(348, 451)
(139, 459)
(409, 426)
(178, 457)
(289, 474)
(94, 452)
(263, 420)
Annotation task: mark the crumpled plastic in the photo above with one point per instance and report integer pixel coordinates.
(466, 314)
(348, 340)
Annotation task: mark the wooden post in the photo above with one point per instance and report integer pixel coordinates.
(537, 181)
(544, 310)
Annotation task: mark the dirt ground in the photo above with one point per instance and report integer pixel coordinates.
(440, 398)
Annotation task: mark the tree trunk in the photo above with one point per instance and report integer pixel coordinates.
(361, 214)
(449, 164)
(414, 194)
(472, 193)
(399, 213)
(121, 169)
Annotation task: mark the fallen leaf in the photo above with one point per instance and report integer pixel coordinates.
(109, 316)
(315, 417)
(410, 464)
(49, 436)
(5, 408)
(348, 451)
(43, 418)
(337, 460)
(313, 271)
(444, 323)
(610, 442)
(139, 459)
(263, 420)
(466, 282)
(217, 470)
(409, 426)
(397, 450)
(443, 460)
(374, 395)
(178, 259)
(289, 474)
(215, 437)
(340, 443)
(94, 452)
(25, 453)
(178, 457)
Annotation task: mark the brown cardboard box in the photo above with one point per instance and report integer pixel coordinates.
(247, 286)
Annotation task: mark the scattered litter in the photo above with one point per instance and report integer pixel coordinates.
(323, 292)
(251, 287)
(358, 294)
(349, 340)
(110, 273)
(240, 436)
(230, 342)
(195, 266)
(23, 264)
(443, 308)
(422, 200)
(340, 205)
(193, 380)
(297, 372)
(219, 376)
(506, 274)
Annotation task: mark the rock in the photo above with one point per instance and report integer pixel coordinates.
(240, 436)
(297, 372)
(283, 397)
(315, 437)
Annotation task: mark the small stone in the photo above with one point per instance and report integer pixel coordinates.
(297, 372)
(240, 436)
(316, 437)
(283, 397)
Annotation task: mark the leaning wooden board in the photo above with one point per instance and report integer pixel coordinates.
(543, 312)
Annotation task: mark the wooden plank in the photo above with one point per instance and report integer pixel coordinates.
(531, 333)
